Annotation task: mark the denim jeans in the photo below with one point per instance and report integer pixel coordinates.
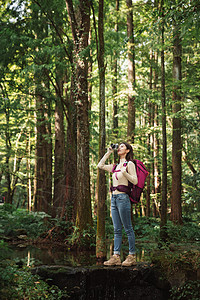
(121, 215)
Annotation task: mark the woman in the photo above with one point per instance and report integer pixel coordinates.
(120, 203)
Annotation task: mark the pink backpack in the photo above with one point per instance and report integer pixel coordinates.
(134, 191)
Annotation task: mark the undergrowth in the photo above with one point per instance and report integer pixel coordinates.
(17, 281)
(13, 221)
(188, 291)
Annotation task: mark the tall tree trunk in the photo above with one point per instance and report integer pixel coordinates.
(28, 167)
(80, 24)
(43, 151)
(59, 154)
(176, 208)
(163, 222)
(43, 196)
(114, 84)
(40, 156)
(148, 181)
(8, 194)
(131, 72)
(157, 177)
(101, 211)
(152, 186)
(70, 195)
(149, 144)
(65, 157)
(49, 149)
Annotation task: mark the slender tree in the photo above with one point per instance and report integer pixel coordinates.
(163, 222)
(101, 211)
(131, 72)
(157, 177)
(70, 166)
(176, 208)
(114, 81)
(59, 153)
(43, 196)
(6, 108)
(149, 141)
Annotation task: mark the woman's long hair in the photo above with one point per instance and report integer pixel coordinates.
(129, 155)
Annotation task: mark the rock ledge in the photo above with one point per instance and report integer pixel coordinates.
(141, 282)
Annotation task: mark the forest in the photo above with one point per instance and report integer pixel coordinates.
(76, 76)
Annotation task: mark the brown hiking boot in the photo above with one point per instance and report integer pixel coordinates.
(130, 261)
(113, 261)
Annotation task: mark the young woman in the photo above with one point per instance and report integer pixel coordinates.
(120, 202)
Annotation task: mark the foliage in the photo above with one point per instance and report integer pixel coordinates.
(12, 220)
(189, 290)
(21, 284)
(4, 250)
(59, 229)
(17, 282)
(189, 231)
(173, 261)
(82, 240)
(147, 227)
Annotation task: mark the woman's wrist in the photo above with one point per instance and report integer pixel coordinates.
(109, 151)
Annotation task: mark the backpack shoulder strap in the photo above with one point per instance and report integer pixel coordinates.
(126, 165)
(114, 167)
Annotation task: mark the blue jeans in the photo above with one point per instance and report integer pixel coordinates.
(121, 215)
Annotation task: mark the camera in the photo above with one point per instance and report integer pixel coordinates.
(114, 146)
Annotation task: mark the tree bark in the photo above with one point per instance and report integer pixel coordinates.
(131, 73)
(8, 194)
(176, 208)
(157, 176)
(101, 211)
(149, 143)
(114, 84)
(59, 154)
(163, 222)
(43, 151)
(80, 24)
(49, 146)
(70, 194)
(28, 167)
(43, 194)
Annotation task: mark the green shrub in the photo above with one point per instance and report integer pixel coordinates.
(147, 228)
(82, 240)
(190, 290)
(21, 284)
(11, 220)
(189, 231)
(17, 282)
(171, 262)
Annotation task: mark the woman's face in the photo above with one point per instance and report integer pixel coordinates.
(122, 150)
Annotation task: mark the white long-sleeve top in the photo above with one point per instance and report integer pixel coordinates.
(126, 173)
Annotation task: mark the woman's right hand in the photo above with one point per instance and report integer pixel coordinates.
(110, 150)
